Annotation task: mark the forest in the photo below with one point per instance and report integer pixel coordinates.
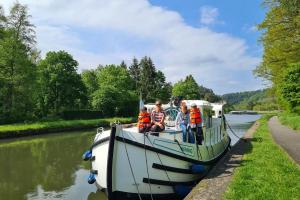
(33, 88)
(259, 100)
(281, 52)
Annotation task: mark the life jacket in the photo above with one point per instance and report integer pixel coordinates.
(144, 119)
(195, 116)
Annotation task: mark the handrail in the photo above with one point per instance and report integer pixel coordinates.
(213, 135)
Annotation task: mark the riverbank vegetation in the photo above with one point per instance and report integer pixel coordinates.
(266, 171)
(281, 60)
(291, 120)
(18, 130)
(259, 100)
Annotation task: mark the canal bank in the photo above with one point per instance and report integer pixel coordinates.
(39, 128)
(258, 169)
(215, 183)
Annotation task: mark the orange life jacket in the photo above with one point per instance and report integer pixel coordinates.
(144, 119)
(195, 116)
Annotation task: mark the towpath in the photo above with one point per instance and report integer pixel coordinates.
(215, 183)
(287, 138)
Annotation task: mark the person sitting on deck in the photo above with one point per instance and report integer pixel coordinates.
(157, 118)
(196, 123)
(183, 122)
(144, 121)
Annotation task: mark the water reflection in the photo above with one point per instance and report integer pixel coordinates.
(239, 124)
(50, 167)
(47, 167)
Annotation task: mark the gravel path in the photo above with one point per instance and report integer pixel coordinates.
(287, 138)
(214, 185)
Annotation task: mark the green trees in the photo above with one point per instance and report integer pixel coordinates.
(115, 94)
(281, 41)
(149, 82)
(32, 88)
(135, 71)
(89, 78)
(60, 87)
(290, 87)
(260, 100)
(17, 71)
(189, 89)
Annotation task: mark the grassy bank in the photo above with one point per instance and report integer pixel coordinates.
(266, 171)
(291, 120)
(18, 130)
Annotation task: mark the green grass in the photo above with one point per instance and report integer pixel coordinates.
(14, 130)
(266, 171)
(291, 120)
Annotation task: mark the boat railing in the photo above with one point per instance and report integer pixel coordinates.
(213, 134)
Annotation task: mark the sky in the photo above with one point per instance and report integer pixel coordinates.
(216, 41)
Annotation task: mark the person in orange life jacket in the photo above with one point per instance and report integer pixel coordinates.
(157, 119)
(196, 123)
(183, 122)
(144, 121)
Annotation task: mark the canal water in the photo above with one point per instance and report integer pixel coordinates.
(50, 166)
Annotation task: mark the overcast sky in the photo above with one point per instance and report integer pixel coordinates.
(214, 40)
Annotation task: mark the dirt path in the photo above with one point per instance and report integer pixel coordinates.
(214, 185)
(287, 138)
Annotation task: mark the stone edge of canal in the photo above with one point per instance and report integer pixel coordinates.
(216, 182)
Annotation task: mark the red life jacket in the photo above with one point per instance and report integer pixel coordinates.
(195, 116)
(144, 120)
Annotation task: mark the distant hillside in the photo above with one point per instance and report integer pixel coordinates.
(250, 100)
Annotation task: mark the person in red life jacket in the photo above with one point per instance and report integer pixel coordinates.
(196, 123)
(157, 119)
(144, 121)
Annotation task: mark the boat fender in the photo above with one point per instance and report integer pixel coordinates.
(91, 178)
(197, 168)
(87, 155)
(182, 190)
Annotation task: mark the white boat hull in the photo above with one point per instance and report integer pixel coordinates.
(129, 163)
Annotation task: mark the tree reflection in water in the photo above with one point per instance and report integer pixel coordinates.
(46, 167)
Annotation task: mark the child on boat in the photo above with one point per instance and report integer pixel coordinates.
(144, 121)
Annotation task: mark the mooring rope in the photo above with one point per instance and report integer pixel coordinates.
(146, 160)
(160, 160)
(137, 188)
(226, 123)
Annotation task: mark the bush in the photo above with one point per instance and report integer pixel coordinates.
(290, 87)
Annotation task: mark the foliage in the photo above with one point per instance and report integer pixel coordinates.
(149, 82)
(17, 71)
(89, 78)
(260, 100)
(290, 119)
(267, 171)
(32, 88)
(290, 87)
(135, 72)
(281, 41)
(60, 87)
(115, 95)
(189, 89)
(2, 22)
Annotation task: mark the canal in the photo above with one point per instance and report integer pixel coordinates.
(50, 166)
